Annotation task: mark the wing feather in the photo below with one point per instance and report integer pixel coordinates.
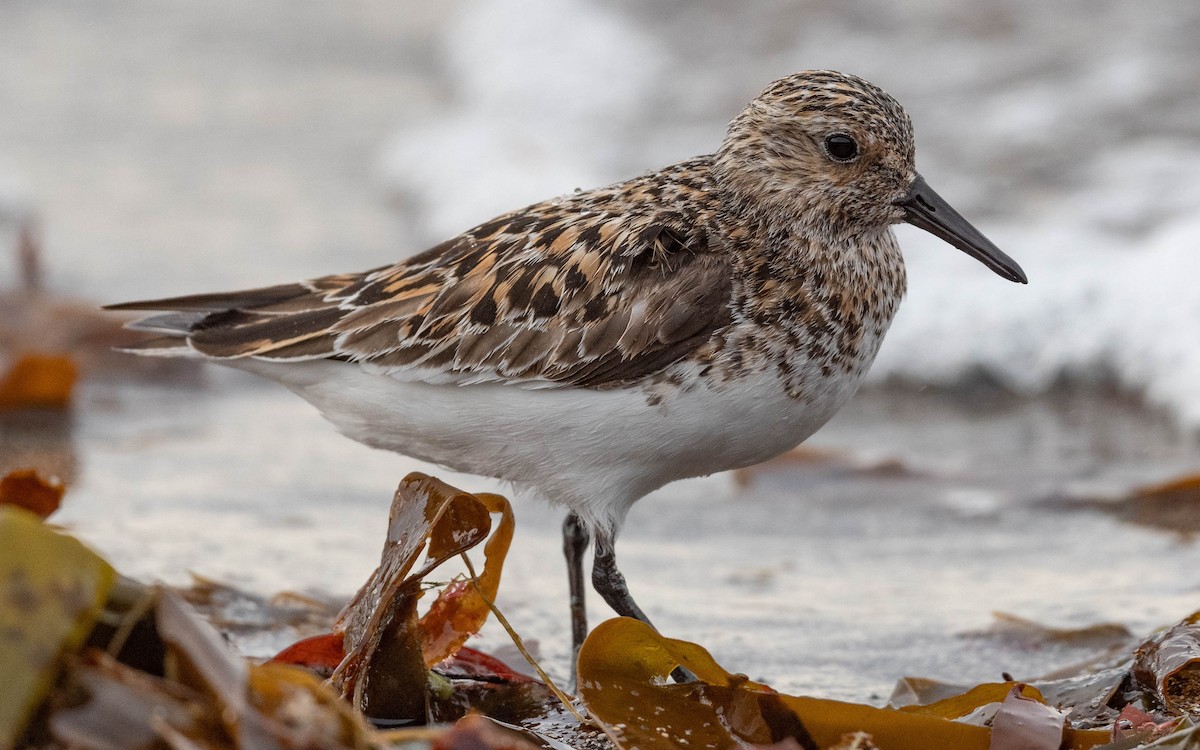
(221, 300)
(593, 290)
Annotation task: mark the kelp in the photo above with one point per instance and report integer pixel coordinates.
(25, 488)
(95, 660)
(115, 705)
(202, 694)
(92, 660)
(1169, 665)
(388, 648)
(1024, 633)
(623, 668)
(38, 381)
(1172, 505)
(52, 590)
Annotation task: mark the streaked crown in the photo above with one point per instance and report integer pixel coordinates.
(831, 150)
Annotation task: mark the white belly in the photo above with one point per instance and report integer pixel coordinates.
(596, 451)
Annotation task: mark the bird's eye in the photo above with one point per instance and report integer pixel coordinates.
(841, 147)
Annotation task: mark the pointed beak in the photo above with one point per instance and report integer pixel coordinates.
(925, 209)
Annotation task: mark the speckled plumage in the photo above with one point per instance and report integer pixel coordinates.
(705, 260)
(596, 346)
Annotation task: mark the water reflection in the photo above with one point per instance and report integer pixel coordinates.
(39, 439)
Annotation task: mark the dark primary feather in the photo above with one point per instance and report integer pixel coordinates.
(593, 290)
(219, 301)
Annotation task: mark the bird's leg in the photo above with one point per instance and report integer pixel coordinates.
(610, 584)
(575, 543)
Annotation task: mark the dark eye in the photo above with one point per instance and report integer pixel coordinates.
(841, 147)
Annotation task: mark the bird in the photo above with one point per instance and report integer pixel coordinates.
(594, 347)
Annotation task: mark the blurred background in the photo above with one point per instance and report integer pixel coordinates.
(221, 144)
(155, 149)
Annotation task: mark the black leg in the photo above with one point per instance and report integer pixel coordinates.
(575, 542)
(610, 584)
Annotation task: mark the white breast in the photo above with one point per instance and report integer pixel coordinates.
(595, 451)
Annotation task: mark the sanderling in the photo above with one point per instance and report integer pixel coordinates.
(594, 347)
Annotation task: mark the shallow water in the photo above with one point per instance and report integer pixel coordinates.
(832, 577)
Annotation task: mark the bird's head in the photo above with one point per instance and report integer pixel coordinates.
(835, 154)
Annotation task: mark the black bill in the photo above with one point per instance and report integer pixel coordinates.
(925, 209)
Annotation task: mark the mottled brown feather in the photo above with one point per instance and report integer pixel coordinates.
(596, 290)
(254, 335)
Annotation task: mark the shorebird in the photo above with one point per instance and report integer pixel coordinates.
(594, 347)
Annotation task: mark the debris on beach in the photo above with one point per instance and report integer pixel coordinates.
(96, 660)
(1171, 505)
(49, 340)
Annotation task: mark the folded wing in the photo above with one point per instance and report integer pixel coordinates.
(594, 290)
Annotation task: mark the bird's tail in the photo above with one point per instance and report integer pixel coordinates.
(172, 331)
(183, 325)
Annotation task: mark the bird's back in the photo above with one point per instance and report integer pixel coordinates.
(594, 289)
